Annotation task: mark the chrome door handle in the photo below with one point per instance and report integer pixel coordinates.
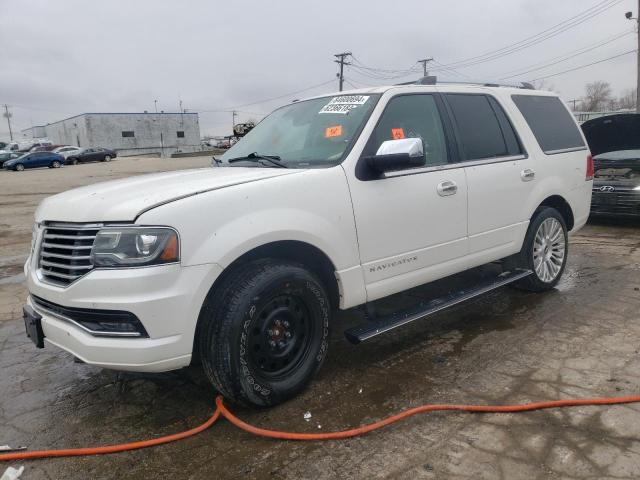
(447, 188)
(527, 174)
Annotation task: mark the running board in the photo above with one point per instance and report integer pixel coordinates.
(384, 324)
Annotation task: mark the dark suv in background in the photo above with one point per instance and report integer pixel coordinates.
(614, 141)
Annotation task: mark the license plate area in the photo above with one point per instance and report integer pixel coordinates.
(33, 326)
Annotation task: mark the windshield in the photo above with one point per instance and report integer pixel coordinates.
(313, 133)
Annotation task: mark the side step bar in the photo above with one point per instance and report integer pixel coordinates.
(382, 325)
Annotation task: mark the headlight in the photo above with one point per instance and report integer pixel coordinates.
(134, 247)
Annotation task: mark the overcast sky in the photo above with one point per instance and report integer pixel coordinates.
(60, 58)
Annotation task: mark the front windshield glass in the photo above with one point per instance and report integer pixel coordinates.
(313, 133)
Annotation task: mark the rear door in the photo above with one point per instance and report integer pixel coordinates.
(410, 222)
(499, 173)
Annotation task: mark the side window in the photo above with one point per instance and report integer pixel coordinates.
(412, 116)
(550, 122)
(479, 128)
(180, 133)
(128, 133)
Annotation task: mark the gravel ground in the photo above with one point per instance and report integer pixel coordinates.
(580, 340)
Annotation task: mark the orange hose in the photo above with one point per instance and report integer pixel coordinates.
(221, 410)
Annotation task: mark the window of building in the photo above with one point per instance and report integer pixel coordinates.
(550, 122)
(412, 116)
(482, 134)
(180, 134)
(128, 133)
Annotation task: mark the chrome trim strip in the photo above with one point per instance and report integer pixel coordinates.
(47, 263)
(66, 247)
(565, 150)
(450, 166)
(69, 237)
(46, 311)
(66, 257)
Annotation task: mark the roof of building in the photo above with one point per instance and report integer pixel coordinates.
(122, 113)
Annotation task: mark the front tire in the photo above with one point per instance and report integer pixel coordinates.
(19, 167)
(264, 332)
(545, 251)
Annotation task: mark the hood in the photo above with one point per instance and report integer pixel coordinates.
(613, 133)
(126, 199)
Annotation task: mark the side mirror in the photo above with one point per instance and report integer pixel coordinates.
(399, 154)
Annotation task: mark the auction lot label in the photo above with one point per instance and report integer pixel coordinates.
(344, 104)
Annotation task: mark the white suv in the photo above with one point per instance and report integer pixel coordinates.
(330, 202)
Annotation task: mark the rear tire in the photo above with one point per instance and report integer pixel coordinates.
(545, 251)
(107, 158)
(264, 332)
(55, 164)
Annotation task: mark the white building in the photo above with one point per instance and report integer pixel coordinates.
(36, 131)
(129, 133)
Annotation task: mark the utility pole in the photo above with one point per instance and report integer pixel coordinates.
(574, 103)
(424, 62)
(155, 104)
(7, 115)
(234, 114)
(342, 62)
(629, 16)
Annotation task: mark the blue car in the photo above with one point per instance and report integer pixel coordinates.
(35, 160)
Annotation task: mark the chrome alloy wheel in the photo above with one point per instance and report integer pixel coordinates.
(549, 250)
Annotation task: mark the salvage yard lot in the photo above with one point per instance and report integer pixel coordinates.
(581, 340)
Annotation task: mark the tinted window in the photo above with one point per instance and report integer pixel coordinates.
(412, 116)
(480, 131)
(550, 122)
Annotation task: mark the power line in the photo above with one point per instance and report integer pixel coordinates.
(537, 38)
(236, 107)
(584, 66)
(565, 57)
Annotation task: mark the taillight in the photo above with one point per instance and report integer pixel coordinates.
(589, 175)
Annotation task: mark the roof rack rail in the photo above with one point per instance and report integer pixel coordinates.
(433, 80)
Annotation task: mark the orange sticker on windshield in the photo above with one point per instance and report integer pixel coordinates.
(335, 131)
(397, 133)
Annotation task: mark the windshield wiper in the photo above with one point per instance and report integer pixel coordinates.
(256, 157)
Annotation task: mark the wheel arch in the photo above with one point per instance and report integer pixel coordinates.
(292, 250)
(559, 203)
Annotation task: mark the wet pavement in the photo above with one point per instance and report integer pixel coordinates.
(581, 340)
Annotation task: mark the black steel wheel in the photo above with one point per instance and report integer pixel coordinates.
(263, 332)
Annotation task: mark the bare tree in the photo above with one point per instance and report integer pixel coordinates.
(627, 99)
(542, 85)
(597, 96)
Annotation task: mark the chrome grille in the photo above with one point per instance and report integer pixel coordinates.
(65, 252)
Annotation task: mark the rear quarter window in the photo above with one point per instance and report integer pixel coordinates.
(551, 123)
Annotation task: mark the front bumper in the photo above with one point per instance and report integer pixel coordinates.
(166, 299)
(617, 203)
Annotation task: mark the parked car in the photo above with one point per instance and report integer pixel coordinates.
(96, 154)
(34, 160)
(328, 203)
(5, 156)
(67, 150)
(44, 147)
(615, 142)
(3, 145)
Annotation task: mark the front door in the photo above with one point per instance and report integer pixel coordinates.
(411, 222)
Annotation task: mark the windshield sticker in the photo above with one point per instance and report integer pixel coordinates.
(397, 133)
(335, 131)
(344, 104)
